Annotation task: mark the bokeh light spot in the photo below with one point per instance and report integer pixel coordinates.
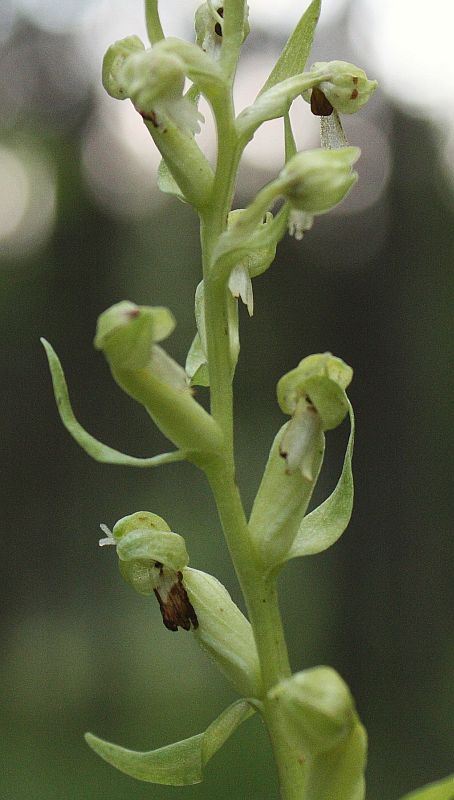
(27, 200)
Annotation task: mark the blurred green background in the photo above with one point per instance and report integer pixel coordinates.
(81, 227)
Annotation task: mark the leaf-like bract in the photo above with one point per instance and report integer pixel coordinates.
(96, 449)
(296, 52)
(178, 764)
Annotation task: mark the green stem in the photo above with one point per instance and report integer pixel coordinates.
(153, 23)
(260, 592)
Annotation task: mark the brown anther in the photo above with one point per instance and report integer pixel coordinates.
(354, 94)
(320, 105)
(176, 609)
(218, 26)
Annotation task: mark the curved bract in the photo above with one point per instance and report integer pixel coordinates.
(179, 764)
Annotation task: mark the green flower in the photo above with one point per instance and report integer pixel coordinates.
(313, 394)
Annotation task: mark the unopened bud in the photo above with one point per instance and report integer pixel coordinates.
(315, 181)
(346, 88)
(318, 709)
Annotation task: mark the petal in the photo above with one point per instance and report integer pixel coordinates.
(240, 285)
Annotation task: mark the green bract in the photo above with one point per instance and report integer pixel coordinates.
(179, 764)
(315, 181)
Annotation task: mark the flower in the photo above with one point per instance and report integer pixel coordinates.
(313, 394)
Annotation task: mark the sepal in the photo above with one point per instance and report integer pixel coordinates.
(320, 380)
(224, 632)
(126, 333)
(179, 764)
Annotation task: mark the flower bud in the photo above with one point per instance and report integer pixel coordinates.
(345, 88)
(113, 79)
(315, 181)
(224, 632)
(318, 708)
(321, 726)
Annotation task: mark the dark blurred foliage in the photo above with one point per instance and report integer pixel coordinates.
(79, 650)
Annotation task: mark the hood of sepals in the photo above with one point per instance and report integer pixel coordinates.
(126, 332)
(321, 380)
(112, 76)
(150, 555)
(155, 79)
(347, 87)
